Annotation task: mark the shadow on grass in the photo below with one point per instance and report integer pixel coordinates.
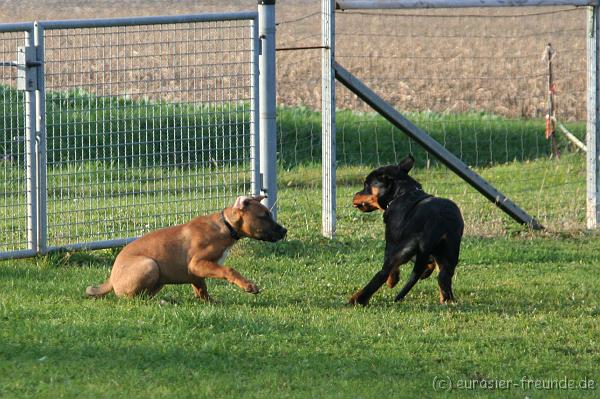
(218, 349)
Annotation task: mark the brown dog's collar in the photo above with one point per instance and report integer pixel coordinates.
(232, 232)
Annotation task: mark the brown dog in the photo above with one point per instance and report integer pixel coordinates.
(191, 252)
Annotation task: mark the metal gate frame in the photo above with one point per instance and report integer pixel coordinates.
(29, 136)
(31, 80)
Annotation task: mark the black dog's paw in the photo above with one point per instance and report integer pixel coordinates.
(449, 301)
(358, 299)
(399, 298)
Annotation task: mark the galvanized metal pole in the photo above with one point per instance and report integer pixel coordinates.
(267, 128)
(254, 111)
(30, 87)
(328, 118)
(593, 130)
(42, 192)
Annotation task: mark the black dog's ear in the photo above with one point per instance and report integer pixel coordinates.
(407, 163)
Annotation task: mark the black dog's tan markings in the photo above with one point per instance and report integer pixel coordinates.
(417, 225)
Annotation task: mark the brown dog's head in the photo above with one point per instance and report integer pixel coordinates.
(252, 219)
(384, 184)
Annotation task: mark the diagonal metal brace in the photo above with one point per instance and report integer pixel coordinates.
(434, 148)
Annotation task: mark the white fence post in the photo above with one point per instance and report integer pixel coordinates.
(267, 127)
(254, 113)
(593, 131)
(41, 194)
(28, 83)
(328, 118)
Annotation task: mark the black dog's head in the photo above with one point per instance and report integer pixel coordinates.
(384, 184)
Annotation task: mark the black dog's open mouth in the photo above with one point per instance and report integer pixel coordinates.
(363, 207)
(364, 202)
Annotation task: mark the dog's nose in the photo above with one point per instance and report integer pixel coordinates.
(283, 232)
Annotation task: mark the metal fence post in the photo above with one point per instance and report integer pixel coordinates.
(328, 118)
(593, 131)
(267, 126)
(30, 87)
(42, 193)
(254, 111)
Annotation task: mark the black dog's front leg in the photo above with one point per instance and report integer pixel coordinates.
(363, 296)
(417, 272)
(391, 259)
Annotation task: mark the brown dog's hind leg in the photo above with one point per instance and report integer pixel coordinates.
(135, 275)
(206, 269)
(201, 291)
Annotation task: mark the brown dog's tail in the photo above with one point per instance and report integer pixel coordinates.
(98, 292)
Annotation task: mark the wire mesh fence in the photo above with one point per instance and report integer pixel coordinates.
(475, 80)
(148, 122)
(147, 125)
(13, 173)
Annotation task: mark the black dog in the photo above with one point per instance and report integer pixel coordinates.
(416, 225)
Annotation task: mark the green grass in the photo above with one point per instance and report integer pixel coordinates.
(527, 302)
(527, 307)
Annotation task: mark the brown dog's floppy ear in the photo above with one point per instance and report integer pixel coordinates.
(241, 202)
(407, 163)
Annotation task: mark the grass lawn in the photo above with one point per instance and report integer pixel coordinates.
(526, 320)
(527, 313)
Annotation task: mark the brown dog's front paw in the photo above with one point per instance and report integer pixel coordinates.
(252, 288)
(358, 299)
